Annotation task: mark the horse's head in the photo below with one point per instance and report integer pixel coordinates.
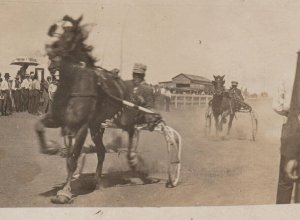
(218, 84)
(69, 43)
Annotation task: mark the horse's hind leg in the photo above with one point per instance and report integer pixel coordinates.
(48, 122)
(136, 163)
(97, 137)
(230, 123)
(132, 157)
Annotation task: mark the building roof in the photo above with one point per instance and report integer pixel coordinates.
(166, 82)
(194, 77)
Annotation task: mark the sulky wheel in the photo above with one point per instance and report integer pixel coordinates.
(173, 139)
(254, 123)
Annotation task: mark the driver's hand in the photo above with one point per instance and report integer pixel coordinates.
(291, 169)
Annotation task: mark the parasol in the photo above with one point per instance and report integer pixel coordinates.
(25, 61)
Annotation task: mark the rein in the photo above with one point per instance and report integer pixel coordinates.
(119, 100)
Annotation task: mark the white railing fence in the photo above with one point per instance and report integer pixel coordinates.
(189, 100)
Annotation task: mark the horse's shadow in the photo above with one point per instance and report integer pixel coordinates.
(86, 184)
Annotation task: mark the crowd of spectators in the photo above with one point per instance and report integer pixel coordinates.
(26, 93)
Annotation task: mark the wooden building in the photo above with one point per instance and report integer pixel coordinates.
(189, 83)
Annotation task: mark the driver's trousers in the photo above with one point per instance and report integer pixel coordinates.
(285, 184)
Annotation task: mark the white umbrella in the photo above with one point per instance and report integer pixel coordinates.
(25, 61)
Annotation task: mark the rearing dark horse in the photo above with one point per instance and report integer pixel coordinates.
(222, 105)
(81, 101)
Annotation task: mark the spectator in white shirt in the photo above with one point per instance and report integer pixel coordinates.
(16, 93)
(281, 105)
(51, 90)
(36, 92)
(5, 90)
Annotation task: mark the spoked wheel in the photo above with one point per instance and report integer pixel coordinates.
(174, 156)
(254, 123)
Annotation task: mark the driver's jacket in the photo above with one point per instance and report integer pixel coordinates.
(236, 94)
(141, 95)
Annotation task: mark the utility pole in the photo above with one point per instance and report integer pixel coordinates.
(123, 27)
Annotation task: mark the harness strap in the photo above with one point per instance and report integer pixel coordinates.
(87, 95)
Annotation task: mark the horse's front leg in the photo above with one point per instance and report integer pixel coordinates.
(217, 124)
(64, 196)
(48, 122)
(223, 119)
(97, 137)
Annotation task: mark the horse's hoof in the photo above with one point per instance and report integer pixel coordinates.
(76, 176)
(169, 185)
(144, 176)
(150, 180)
(50, 151)
(61, 200)
(62, 197)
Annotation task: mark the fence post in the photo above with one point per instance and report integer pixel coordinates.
(176, 104)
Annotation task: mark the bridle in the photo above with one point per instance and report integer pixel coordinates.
(218, 87)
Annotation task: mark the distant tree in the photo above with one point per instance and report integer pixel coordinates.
(245, 93)
(264, 94)
(253, 95)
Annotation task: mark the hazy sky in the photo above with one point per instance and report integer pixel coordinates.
(254, 42)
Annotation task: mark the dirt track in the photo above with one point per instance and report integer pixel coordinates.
(235, 171)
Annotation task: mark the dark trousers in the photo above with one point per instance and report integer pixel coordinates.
(44, 107)
(24, 97)
(1, 105)
(17, 99)
(285, 185)
(30, 101)
(35, 101)
(7, 105)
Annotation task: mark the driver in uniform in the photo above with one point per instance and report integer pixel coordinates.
(236, 94)
(141, 94)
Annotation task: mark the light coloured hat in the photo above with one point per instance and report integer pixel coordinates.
(234, 83)
(115, 71)
(139, 68)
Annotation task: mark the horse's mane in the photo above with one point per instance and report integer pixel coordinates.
(71, 43)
